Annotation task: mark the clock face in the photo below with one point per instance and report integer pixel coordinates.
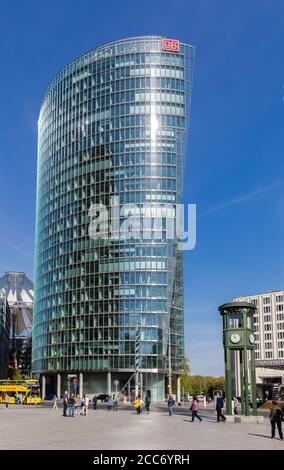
(251, 338)
(235, 338)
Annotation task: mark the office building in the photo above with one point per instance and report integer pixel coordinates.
(20, 294)
(112, 124)
(269, 342)
(4, 334)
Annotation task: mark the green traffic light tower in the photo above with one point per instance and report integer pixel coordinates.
(239, 348)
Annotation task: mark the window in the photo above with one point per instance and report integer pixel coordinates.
(266, 301)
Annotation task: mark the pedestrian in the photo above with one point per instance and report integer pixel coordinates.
(275, 418)
(78, 403)
(115, 401)
(109, 403)
(171, 403)
(235, 403)
(86, 401)
(55, 401)
(71, 405)
(219, 408)
(138, 403)
(147, 402)
(65, 402)
(7, 400)
(194, 410)
(95, 402)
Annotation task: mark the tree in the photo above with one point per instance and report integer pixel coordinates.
(16, 374)
(185, 378)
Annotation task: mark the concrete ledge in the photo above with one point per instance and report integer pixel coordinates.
(245, 419)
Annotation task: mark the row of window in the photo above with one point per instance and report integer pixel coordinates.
(114, 362)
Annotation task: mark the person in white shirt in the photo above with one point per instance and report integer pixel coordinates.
(86, 401)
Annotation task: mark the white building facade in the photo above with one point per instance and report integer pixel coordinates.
(269, 341)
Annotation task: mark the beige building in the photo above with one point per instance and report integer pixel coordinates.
(269, 342)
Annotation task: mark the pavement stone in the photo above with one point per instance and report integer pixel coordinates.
(30, 427)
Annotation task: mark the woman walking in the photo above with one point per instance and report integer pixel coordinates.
(109, 403)
(275, 418)
(138, 403)
(78, 405)
(55, 401)
(194, 410)
(86, 401)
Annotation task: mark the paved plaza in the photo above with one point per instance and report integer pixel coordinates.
(42, 428)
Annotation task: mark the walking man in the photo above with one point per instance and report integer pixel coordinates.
(194, 410)
(275, 418)
(171, 403)
(71, 406)
(147, 402)
(95, 402)
(219, 408)
(65, 403)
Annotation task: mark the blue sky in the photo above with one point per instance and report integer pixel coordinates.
(234, 163)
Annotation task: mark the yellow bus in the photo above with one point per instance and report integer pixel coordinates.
(26, 392)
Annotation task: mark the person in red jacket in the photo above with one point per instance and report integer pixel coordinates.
(194, 410)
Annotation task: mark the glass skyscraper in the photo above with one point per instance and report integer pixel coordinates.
(111, 136)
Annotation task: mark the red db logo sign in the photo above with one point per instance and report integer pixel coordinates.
(170, 45)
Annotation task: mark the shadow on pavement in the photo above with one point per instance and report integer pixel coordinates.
(262, 435)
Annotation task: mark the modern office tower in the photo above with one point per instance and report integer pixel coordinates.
(5, 319)
(19, 292)
(111, 132)
(269, 342)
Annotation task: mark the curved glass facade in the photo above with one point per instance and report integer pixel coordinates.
(112, 124)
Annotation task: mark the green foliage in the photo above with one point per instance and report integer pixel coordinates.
(199, 384)
(16, 374)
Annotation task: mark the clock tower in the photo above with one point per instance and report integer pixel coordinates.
(239, 348)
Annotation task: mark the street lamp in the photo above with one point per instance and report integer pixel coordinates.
(170, 362)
